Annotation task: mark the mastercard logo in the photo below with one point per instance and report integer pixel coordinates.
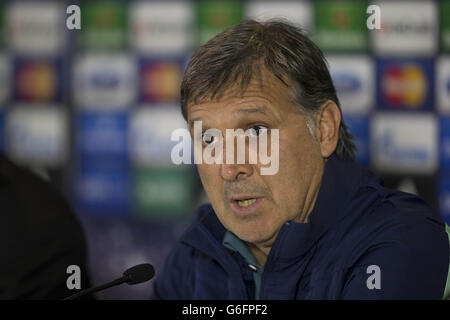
(36, 82)
(404, 86)
(161, 82)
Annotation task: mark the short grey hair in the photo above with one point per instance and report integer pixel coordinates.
(236, 55)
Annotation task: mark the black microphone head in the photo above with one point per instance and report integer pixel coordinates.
(140, 273)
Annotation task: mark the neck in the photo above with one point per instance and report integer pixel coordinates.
(261, 252)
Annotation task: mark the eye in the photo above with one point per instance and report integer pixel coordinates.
(208, 138)
(257, 130)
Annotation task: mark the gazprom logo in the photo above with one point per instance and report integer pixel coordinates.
(404, 143)
(397, 151)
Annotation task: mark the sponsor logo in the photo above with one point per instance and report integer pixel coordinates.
(406, 28)
(103, 172)
(160, 80)
(2, 32)
(214, 17)
(150, 131)
(154, 188)
(405, 84)
(105, 82)
(162, 27)
(103, 134)
(103, 192)
(444, 11)
(103, 24)
(405, 143)
(359, 128)
(346, 83)
(35, 27)
(37, 135)
(354, 82)
(341, 26)
(299, 13)
(37, 80)
(445, 142)
(443, 84)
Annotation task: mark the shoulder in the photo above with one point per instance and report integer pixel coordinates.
(396, 211)
(392, 223)
(176, 278)
(405, 239)
(185, 245)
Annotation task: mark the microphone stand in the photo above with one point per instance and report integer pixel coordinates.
(98, 288)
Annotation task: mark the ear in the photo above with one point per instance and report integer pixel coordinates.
(327, 129)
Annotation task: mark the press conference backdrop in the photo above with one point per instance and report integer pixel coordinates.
(96, 107)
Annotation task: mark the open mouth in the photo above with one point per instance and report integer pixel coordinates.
(246, 203)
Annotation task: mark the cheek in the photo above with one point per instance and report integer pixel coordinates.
(298, 158)
(299, 152)
(209, 176)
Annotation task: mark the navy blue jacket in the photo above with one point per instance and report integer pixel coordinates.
(355, 223)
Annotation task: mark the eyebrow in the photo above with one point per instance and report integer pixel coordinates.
(261, 110)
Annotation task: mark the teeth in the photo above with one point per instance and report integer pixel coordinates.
(246, 203)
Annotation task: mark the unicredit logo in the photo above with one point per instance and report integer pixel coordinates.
(405, 27)
(159, 27)
(404, 85)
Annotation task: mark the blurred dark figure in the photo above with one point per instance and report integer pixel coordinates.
(39, 237)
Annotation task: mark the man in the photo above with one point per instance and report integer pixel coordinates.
(322, 227)
(40, 237)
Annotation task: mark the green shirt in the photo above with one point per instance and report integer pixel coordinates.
(232, 242)
(447, 286)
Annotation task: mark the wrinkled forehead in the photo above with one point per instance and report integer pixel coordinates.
(264, 85)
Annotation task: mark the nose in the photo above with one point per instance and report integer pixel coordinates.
(235, 172)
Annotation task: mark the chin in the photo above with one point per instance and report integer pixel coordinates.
(254, 231)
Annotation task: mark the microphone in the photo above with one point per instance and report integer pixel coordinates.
(133, 275)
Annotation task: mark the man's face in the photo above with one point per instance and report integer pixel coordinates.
(287, 195)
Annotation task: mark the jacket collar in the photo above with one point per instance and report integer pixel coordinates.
(340, 181)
